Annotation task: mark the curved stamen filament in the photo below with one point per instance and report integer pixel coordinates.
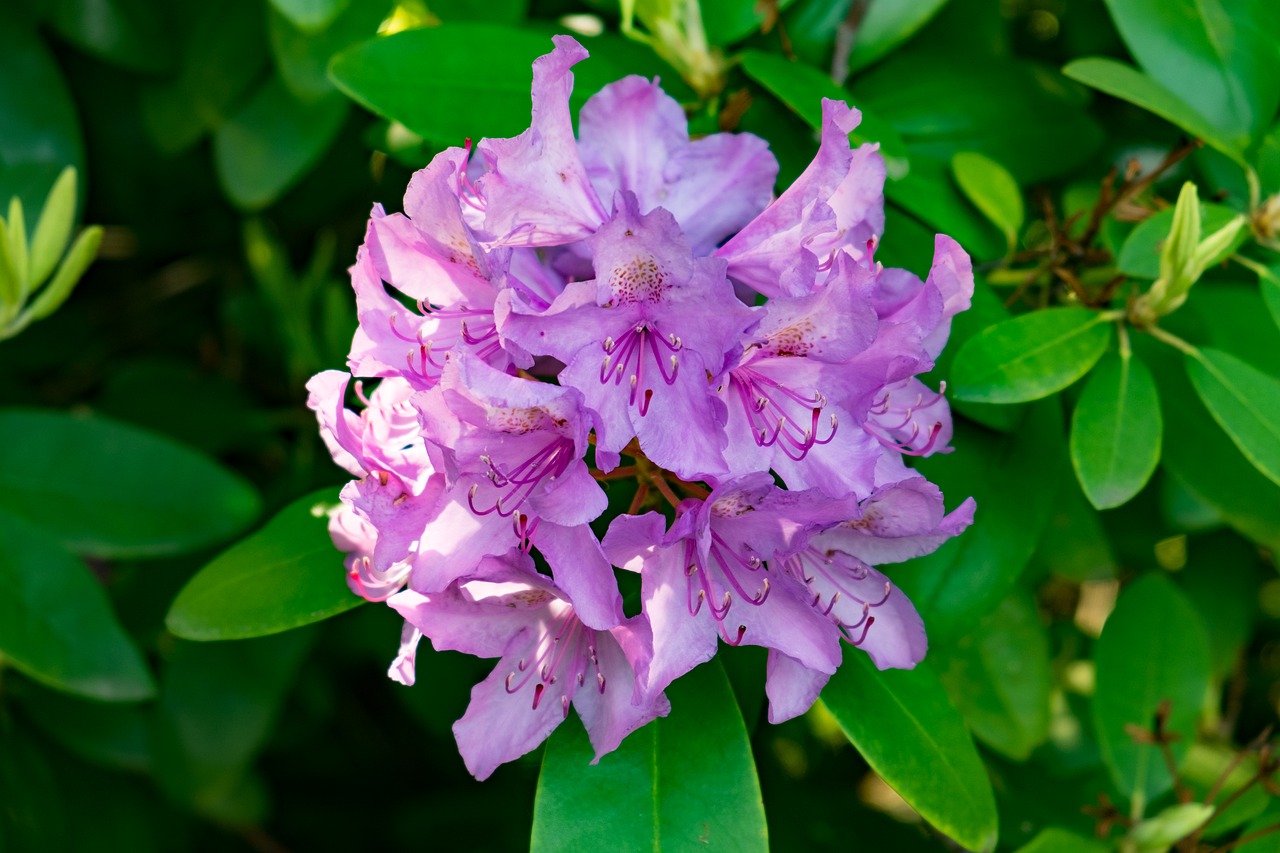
(626, 357)
(774, 413)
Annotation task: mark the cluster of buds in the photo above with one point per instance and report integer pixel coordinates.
(553, 321)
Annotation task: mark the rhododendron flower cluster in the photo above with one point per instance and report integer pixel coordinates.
(555, 320)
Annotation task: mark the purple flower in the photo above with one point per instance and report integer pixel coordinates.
(550, 660)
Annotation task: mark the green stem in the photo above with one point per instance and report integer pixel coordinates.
(1172, 340)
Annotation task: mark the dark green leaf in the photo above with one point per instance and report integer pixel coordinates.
(56, 624)
(1000, 677)
(910, 733)
(40, 134)
(1219, 57)
(802, 88)
(1245, 402)
(1152, 649)
(685, 782)
(992, 190)
(1129, 84)
(218, 704)
(1140, 254)
(1267, 843)
(886, 25)
(302, 58)
(1074, 543)
(1116, 431)
(272, 142)
(310, 15)
(286, 575)
(460, 81)
(110, 490)
(928, 194)
(113, 734)
(1029, 357)
(1054, 840)
(967, 577)
(128, 33)
(34, 814)
(1221, 577)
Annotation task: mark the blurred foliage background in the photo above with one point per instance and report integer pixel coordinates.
(231, 152)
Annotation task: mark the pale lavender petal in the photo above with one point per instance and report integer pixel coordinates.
(718, 184)
(403, 667)
(582, 571)
(952, 276)
(605, 707)
(791, 686)
(340, 428)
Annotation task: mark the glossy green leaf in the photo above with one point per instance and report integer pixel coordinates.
(992, 190)
(1140, 254)
(461, 81)
(1029, 357)
(968, 576)
(886, 25)
(56, 624)
(1000, 677)
(285, 575)
(1245, 402)
(1220, 56)
(1129, 84)
(684, 782)
(218, 703)
(272, 142)
(302, 58)
(909, 732)
(105, 489)
(802, 88)
(310, 15)
(1055, 840)
(1116, 431)
(1152, 649)
(40, 133)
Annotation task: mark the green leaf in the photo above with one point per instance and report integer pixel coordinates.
(1270, 287)
(992, 190)
(913, 737)
(270, 144)
(40, 133)
(218, 704)
(1221, 577)
(1158, 833)
(886, 25)
(54, 227)
(310, 15)
(1116, 431)
(132, 34)
(1130, 84)
(928, 194)
(1152, 649)
(112, 734)
(35, 815)
(1245, 402)
(1000, 677)
(968, 576)
(1140, 254)
(728, 21)
(1029, 357)
(802, 88)
(1220, 56)
(1055, 840)
(105, 489)
(1206, 764)
(1268, 843)
(465, 81)
(684, 782)
(56, 624)
(286, 575)
(302, 58)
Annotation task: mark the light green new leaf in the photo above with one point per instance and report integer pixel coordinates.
(909, 732)
(272, 142)
(54, 227)
(70, 271)
(802, 88)
(1130, 84)
(105, 489)
(1244, 401)
(683, 782)
(1000, 677)
(1029, 357)
(1140, 254)
(992, 190)
(286, 575)
(1116, 431)
(1158, 833)
(310, 15)
(56, 624)
(1153, 648)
